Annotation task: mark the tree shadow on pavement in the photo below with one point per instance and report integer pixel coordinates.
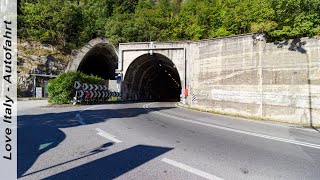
(40, 132)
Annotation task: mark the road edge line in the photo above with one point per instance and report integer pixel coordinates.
(301, 143)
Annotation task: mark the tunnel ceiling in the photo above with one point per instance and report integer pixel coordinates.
(101, 61)
(153, 77)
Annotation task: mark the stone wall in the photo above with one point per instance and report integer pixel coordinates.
(246, 75)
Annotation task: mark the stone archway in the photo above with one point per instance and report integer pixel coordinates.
(98, 57)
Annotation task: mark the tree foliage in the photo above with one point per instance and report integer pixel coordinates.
(61, 89)
(70, 23)
(56, 22)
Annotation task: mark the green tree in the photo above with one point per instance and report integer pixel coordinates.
(296, 18)
(94, 14)
(61, 89)
(70, 23)
(57, 22)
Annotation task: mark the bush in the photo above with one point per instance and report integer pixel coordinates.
(61, 89)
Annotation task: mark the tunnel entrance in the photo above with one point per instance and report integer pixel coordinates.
(152, 77)
(101, 61)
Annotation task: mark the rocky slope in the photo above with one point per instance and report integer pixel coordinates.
(37, 58)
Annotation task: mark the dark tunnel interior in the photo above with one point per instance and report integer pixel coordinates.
(100, 61)
(152, 77)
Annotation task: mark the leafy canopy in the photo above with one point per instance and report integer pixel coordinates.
(71, 23)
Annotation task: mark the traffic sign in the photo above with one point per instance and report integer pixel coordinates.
(77, 85)
(85, 86)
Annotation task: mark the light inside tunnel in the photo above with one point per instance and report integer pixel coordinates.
(152, 77)
(101, 61)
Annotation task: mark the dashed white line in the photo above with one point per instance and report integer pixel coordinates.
(191, 169)
(107, 135)
(301, 143)
(100, 131)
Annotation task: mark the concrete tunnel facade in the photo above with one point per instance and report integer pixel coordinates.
(242, 75)
(97, 57)
(152, 77)
(147, 76)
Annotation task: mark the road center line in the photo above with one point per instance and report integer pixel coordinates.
(190, 169)
(301, 143)
(108, 136)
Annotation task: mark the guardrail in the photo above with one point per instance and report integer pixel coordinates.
(92, 93)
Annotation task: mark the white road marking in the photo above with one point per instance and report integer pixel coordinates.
(301, 143)
(80, 119)
(108, 136)
(78, 116)
(42, 146)
(100, 131)
(252, 121)
(191, 169)
(89, 108)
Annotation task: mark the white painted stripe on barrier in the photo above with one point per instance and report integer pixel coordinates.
(108, 136)
(301, 143)
(191, 169)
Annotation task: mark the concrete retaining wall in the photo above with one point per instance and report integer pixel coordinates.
(246, 75)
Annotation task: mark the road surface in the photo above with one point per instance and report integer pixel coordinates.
(158, 141)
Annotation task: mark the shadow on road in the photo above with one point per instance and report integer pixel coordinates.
(114, 165)
(40, 132)
(95, 151)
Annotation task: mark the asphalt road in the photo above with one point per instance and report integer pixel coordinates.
(158, 141)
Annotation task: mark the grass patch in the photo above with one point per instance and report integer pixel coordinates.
(114, 99)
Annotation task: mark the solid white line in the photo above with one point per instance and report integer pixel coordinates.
(191, 169)
(108, 136)
(317, 146)
(252, 121)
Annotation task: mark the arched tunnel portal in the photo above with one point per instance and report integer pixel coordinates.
(152, 77)
(101, 61)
